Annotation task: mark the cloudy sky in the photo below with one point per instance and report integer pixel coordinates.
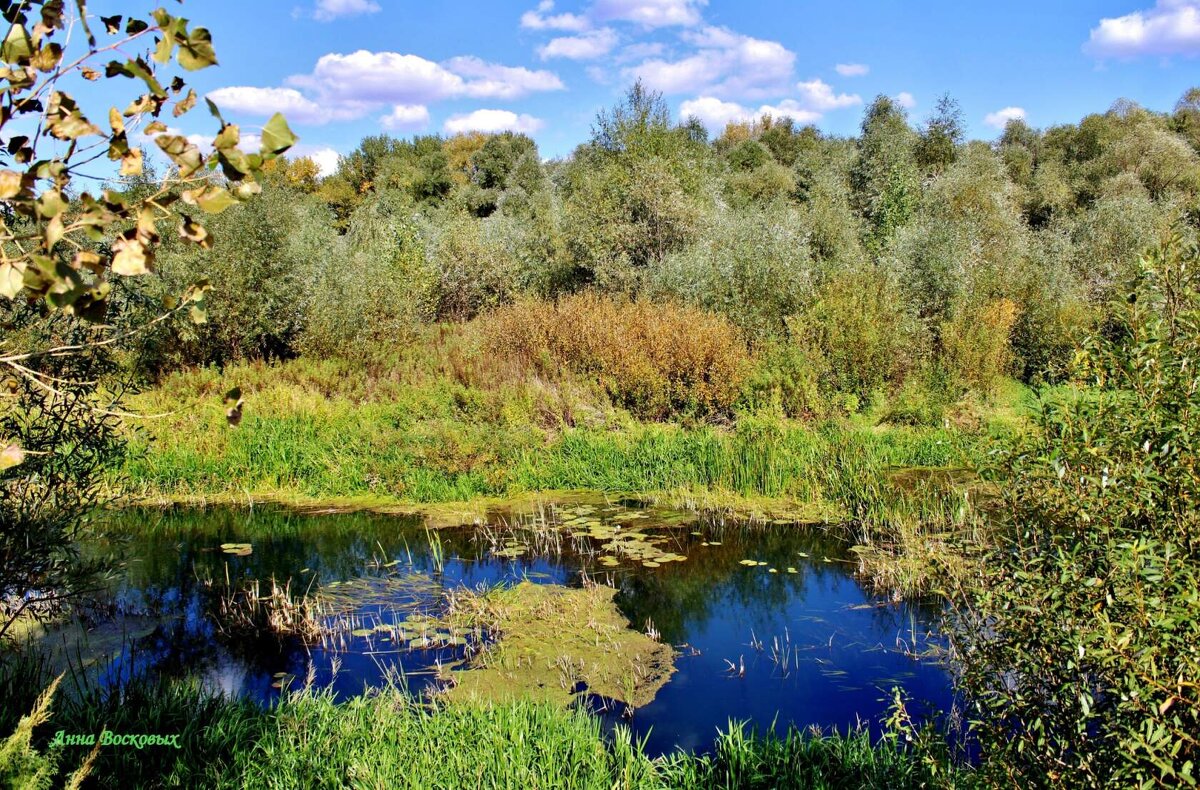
(341, 69)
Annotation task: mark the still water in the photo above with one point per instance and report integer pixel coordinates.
(768, 620)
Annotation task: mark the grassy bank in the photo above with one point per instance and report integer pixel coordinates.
(329, 431)
(386, 740)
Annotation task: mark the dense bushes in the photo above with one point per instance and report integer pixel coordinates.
(654, 359)
(1080, 641)
(904, 268)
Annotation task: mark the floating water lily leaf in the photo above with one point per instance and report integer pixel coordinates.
(749, 563)
(792, 570)
(362, 632)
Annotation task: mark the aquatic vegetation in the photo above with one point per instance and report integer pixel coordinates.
(548, 640)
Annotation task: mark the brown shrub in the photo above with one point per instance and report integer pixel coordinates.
(655, 359)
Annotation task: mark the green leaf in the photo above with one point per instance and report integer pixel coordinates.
(196, 51)
(17, 46)
(210, 199)
(212, 108)
(277, 137)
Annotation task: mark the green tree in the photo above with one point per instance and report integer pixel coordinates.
(883, 180)
(634, 193)
(941, 136)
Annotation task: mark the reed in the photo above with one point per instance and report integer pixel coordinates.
(387, 739)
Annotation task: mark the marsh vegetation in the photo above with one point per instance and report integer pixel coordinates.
(877, 454)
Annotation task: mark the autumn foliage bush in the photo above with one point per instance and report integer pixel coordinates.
(655, 359)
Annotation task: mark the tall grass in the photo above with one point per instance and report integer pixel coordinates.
(438, 443)
(386, 739)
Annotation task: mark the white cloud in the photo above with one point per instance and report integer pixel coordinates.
(346, 87)
(268, 101)
(790, 109)
(328, 10)
(492, 121)
(819, 96)
(406, 116)
(717, 114)
(1000, 118)
(650, 13)
(641, 51)
(714, 113)
(852, 69)
(725, 64)
(584, 47)
(541, 20)
(366, 78)
(1171, 27)
(493, 81)
(905, 100)
(325, 157)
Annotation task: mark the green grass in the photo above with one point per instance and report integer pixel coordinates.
(315, 431)
(385, 739)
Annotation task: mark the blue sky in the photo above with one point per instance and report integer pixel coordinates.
(341, 69)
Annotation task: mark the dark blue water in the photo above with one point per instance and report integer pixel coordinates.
(808, 647)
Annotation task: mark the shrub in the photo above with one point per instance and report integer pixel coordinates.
(786, 378)
(860, 330)
(975, 344)
(372, 290)
(656, 359)
(475, 270)
(754, 266)
(1080, 642)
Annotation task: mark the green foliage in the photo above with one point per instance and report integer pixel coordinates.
(385, 738)
(634, 194)
(64, 444)
(941, 136)
(753, 266)
(1080, 642)
(859, 334)
(965, 244)
(883, 179)
(65, 267)
(370, 290)
(976, 344)
(475, 269)
(68, 252)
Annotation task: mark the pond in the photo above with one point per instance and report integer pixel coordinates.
(764, 622)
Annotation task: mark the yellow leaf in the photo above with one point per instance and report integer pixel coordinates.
(131, 259)
(12, 280)
(131, 163)
(10, 184)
